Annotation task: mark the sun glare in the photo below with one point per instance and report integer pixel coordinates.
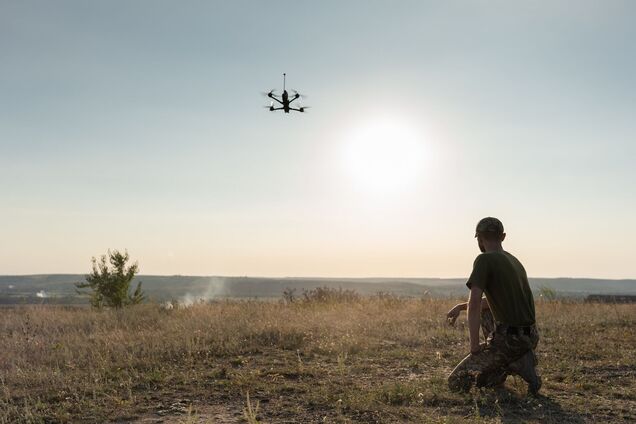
(383, 156)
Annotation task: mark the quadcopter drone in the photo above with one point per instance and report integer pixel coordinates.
(284, 100)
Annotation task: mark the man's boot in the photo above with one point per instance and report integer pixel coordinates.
(526, 368)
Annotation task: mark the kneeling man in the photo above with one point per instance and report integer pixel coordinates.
(506, 315)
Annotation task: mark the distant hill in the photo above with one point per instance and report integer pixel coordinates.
(59, 288)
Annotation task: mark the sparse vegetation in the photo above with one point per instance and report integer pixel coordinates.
(362, 360)
(330, 295)
(250, 412)
(110, 286)
(289, 295)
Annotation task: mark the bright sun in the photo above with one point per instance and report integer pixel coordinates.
(383, 156)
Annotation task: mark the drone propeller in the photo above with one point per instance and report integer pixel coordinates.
(297, 94)
(269, 93)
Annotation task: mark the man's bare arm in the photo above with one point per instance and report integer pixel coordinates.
(474, 318)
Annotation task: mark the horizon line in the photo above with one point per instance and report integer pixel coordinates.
(317, 277)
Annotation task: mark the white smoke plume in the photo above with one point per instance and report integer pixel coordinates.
(215, 288)
(42, 294)
(11, 286)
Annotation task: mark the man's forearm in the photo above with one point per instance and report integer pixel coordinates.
(484, 305)
(475, 305)
(474, 318)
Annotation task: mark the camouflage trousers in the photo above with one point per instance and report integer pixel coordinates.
(503, 354)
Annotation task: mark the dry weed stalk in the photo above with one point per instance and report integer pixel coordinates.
(250, 412)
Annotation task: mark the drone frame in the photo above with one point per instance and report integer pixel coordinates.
(284, 101)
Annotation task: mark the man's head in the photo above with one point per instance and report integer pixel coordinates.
(489, 233)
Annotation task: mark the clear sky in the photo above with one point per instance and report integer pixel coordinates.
(139, 125)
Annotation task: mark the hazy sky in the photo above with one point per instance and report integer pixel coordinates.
(139, 125)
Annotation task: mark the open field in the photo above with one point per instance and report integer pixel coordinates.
(343, 359)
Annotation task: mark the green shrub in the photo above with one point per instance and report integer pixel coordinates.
(110, 286)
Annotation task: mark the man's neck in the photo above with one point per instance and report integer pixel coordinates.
(497, 247)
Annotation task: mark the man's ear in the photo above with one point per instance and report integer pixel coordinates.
(503, 236)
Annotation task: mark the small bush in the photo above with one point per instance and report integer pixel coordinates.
(110, 285)
(330, 295)
(289, 295)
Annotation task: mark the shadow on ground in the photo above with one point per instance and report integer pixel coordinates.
(511, 407)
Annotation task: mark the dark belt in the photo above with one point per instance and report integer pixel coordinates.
(513, 330)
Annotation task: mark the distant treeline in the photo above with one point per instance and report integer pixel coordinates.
(611, 298)
(60, 289)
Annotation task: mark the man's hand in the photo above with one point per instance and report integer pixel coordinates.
(453, 314)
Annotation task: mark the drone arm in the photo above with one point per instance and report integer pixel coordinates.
(271, 96)
(297, 96)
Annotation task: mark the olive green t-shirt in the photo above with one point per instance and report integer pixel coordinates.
(505, 283)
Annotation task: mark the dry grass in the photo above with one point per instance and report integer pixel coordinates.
(360, 360)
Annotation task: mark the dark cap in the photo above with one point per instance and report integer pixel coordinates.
(489, 225)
